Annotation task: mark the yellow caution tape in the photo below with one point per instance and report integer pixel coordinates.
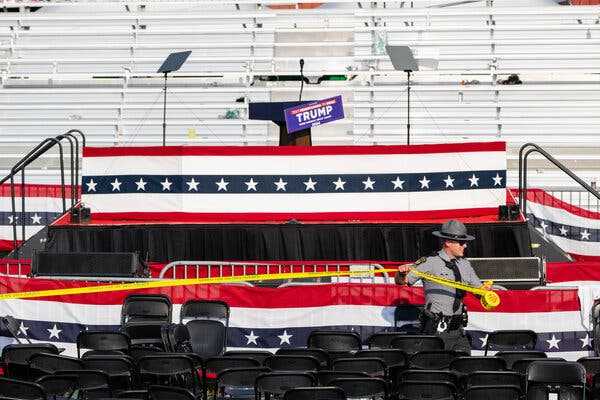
(183, 282)
(489, 299)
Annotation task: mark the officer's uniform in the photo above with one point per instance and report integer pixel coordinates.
(444, 313)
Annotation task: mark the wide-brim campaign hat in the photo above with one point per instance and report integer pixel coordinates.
(454, 230)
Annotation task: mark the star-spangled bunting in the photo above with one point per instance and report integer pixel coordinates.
(351, 183)
(571, 232)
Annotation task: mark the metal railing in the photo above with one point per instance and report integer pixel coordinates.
(524, 152)
(217, 269)
(20, 167)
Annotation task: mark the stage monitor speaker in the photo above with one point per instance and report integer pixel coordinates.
(117, 265)
(508, 213)
(513, 272)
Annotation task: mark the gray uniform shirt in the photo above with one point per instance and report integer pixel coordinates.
(441, 297)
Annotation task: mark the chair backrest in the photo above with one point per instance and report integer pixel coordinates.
(511, 340)
(360, 388)
(214, 365)
(391, 357)
(88, 379)
(59, 385)
(406, 316)
(493, 392)
(112, 365)
(102, 340)
(258, 355)
(319, 354)
(522, 365)
(239, 377)
(315, 393)
(179, 367)
(334, 341)
(208, 338)
(22, 390)
(491, 378)
(146, 307)
(15, 358)
(278, 382)
(430, 390)
(439, 359)
(419, 375)
(591, 364)
(382, 340)
(556, 372)
(138, 394)
(20, 353)
(511, 356)
(175, 337)
(292, 363)
(467, 365)
(205, 309)
(159, 392)
(325, 376)
(50, 363)
(412, 344)
(372, 366)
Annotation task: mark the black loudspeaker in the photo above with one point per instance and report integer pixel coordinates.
(118, 265)
(509, 213)
(514, 272)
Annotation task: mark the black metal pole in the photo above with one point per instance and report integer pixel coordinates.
(165, 113)
(408, 108)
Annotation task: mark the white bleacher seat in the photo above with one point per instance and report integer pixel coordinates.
(64, 67)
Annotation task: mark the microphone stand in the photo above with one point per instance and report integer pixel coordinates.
(301, 78)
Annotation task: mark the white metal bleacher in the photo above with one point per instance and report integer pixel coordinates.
(91, 65)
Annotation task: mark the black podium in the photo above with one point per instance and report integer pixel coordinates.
(273, 111)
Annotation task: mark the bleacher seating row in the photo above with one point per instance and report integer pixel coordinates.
(58, 71)
(151, 358)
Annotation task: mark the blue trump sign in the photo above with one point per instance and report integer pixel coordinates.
(312, 114)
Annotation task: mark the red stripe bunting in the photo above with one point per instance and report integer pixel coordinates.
(303, 296)
(290, 150)
(36, 190)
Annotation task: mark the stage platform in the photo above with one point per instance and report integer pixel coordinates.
(241, 242)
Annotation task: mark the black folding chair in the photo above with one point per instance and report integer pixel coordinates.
(511, 356)
(21, 390)
(45, 364)
(504, 340)
(374, 367)
(143, 315)
(277, 383)
(565, 378)
(412, 344)
(15, 358)
(292, 363)
(102, 341)
(208, 338)
(215, 365)
(133, 394)
(315, 393)
(521, 366)
(59, 386)
(241, 379)
(492, 378)
(493, 392)
(430, 390)
(438, 359)
(258, 355)
(400, 377)
(466, 365)
(391, 357)
(383, 340)
(205, 309)
(158, 392)
(319, 354)
(325, 376)
(169, 370)
(362, 388)
(337, 343)
(120, 369)
(93, 384)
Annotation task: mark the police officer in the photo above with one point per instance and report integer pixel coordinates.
(444, 314)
